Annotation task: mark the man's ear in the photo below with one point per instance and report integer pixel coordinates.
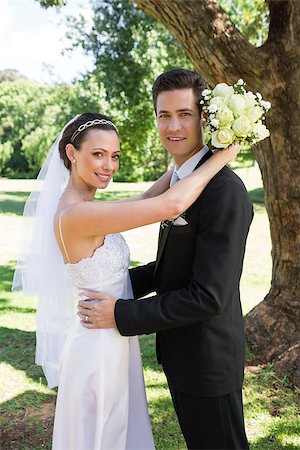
(70, 152)
(203, 119)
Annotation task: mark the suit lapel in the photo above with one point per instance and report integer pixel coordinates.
(164, 232)
(163, 235)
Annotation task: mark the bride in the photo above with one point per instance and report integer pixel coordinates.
(75, 244)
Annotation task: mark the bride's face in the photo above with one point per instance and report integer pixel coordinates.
(97, 160)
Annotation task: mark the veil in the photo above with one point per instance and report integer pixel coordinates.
(40, 270)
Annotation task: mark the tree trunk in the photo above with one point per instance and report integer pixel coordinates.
(222, 54)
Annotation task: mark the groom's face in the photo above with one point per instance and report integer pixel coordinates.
(179, 123)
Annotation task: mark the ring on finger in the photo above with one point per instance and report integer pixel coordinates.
(87, 319)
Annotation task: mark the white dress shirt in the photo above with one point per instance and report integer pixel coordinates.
(188, 166)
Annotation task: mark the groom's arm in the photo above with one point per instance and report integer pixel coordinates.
(219, 250)
(224, 219)
(100, 314)
(142, 279)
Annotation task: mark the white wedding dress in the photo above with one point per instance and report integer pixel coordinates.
(101, 403)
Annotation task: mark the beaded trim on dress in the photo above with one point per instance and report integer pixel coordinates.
(111, 260)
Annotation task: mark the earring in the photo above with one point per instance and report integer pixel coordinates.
(74, 161)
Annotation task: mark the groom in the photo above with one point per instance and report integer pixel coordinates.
(197, 311)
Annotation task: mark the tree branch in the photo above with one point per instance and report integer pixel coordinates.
(284, 23)
(226, 55)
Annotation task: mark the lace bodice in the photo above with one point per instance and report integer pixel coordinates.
(108, 264)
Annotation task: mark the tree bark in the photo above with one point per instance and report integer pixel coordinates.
(219, 51)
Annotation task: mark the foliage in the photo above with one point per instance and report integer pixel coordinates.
(48, 3)
(21, 106)
(32, 116)
(129, 50)
(251, 17)
(10, 75)
(6, 151)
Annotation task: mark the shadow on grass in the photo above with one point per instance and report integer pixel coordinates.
(13, 202)
(6, 277)
(28, 399)
(27, 421)
(257, 196)
(273, 440)
(17, 348)
(6, 308)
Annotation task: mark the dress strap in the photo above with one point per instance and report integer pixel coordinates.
(61, 237)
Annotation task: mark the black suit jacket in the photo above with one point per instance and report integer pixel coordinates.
(197, 311)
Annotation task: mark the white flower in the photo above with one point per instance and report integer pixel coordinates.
(214, 123)
(225, 116)
(219, 101)
(222, 137)
(242, 126)
(266, 105)
(254, 113)
(213, 108)
(233, 114)
(261, 131)
(237, 103)
(222, 90)
(250, 99)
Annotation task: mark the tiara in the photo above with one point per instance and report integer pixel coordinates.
(91, 123)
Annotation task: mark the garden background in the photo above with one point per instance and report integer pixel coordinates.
(129, 50)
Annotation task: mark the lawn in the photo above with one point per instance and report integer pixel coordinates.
(27, 405)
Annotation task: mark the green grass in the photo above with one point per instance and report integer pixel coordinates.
(27, 405)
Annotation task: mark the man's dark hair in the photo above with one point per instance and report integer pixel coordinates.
(179, 79)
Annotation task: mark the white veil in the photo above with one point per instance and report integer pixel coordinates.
(40, 269)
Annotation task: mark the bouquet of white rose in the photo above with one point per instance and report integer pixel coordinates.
(234, 115)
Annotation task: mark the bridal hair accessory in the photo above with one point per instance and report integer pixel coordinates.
(40, 269)
(234, 115)
(91, 123)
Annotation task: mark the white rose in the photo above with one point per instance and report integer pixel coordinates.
(261, 131)
(242, 126)
(222, 138)
(240, 82)
(212, 108)
(237, 103)
(206, 92)
(254, 113)
(250, 99)
(219, 101)
(222, 90)
(224, 115)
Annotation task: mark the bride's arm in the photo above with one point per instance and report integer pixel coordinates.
(101, 218)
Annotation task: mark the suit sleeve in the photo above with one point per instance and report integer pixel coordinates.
(224, 220)
(142, 279)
